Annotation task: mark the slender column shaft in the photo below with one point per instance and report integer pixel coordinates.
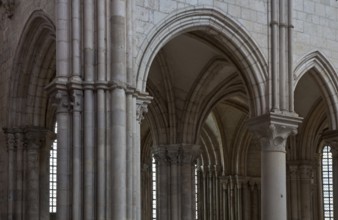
(108, 140)
(101, 155)
(63, 159)
(137, 162)
(163, 175)
(118, 155)
(89, 141)
(20, 174)
(11, 176)
(205, 194)
(62, 38)
(77, 124)
(290, 54)
(76, 39)
(274, 54)
(130, 158)
(273, 185)
(118, 41)
(77, 156)
(282, 56)
(44, 154)
(246, 202)
(294, 177)
(101, 111)
(255, 202)
(33, 183)
(306, 191)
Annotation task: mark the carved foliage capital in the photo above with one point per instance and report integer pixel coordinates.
(62, 101)
(142, 103)
(77, 100)
(273, 130)
(38, 138)
(176, 154)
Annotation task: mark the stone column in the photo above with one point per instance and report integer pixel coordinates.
(246, 201)
(10, 138)
(294, 191)
(140, 107)
(272, 131)
(28, 182)
(38, 142)
(306, 191)
(176, 182)
(19, 141)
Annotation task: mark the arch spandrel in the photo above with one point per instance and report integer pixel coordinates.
(231, 37)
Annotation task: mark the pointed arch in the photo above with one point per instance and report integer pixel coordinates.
(326, 77)
(230, 36)
(33, 68)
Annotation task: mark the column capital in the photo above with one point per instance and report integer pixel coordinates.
(10, 138)
(177, 154)
(37, 138)
(142, 102)
(273, 130)
(77, 100)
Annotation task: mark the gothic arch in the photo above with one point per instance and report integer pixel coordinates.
(33, 68)
(326, 77)
(232, 37)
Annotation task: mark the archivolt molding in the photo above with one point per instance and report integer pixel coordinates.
(310, 133)
(326, 77)
(33, 67)
(232, 36)
(157, 116)
(170, 96)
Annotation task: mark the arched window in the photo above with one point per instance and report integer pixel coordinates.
(52, 175)
(327, 183)
(154, 188)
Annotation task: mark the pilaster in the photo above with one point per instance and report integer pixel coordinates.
(272, 130)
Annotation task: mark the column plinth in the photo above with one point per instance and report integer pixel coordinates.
(272, 131)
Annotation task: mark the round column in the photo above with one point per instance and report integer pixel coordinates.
(272, 131)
